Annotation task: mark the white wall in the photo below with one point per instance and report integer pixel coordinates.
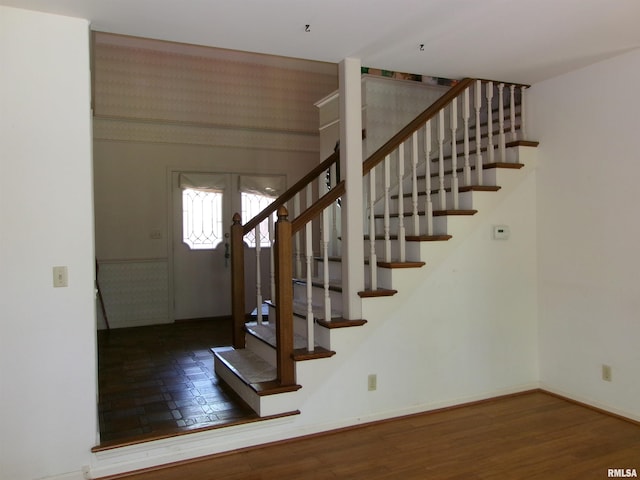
(47, 335)
(588, 232)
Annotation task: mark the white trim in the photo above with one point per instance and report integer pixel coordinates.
(195, 445)
(593, 403)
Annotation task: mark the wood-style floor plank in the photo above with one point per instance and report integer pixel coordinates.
(529, 436)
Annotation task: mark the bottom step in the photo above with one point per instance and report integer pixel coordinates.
(254, 380)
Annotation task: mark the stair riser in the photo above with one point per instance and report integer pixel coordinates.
(335, 271)
(317, 297)
(321, 334)
(439, 227)
(262, 349)
(465, 202)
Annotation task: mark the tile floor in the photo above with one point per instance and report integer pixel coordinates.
(159, 380)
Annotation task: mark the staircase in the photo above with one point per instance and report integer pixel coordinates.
(425, 188)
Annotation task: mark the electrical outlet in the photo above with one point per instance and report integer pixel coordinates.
(372, 382)
(606, 373)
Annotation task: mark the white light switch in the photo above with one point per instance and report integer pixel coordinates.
(60, 277)
(501, 232)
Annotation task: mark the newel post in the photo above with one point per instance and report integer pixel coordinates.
(237, 282)
(284, 298)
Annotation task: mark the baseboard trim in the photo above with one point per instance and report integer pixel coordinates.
(157, 455)
(190, 455)
(591, 405)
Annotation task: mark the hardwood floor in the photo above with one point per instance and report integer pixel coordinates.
(529, 436)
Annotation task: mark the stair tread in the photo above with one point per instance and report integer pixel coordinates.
(267, 333)
(485, 166)
(511, 144)
(341, 323)
(300, 310)
(416, 238)
(320, 284)
(436, 213)
(468, 188)
(428, 238)
(246, 365)
(394, 265)
(380, 292)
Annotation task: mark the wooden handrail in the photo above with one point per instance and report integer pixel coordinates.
(379, 155)
(237, 282)
(314, 210)
(290, 193)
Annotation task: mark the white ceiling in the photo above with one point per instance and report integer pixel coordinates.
(510, 40)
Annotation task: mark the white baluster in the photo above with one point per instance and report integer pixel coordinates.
(297, 252)
(427, 156)
(309, 190)
(477, 100)
(325, 258)
(465, 120)
(442, 192)
(414, 182)
(489, 92)
(387, 187)
(501, 135)
(334, 217)
(258, 275)
(512, 112)
(523, 117)
(309, 260)
(373, 259)
(453, 117)
(401, 228)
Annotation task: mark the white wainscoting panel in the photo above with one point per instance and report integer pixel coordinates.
(135, 292)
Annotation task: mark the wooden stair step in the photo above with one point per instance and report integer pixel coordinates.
(252, 370)
(341, 323)
(416, 238)
(380, 292)
(394, 265)
(266, 333)
(334, 287)
(486, 166)
(495, 133)
(436, 213)
(333, 322)
(467, 188)
(302, 313)
(514, 143)
(382, 264)
(428, 238)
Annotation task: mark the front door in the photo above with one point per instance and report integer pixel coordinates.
(202, 206)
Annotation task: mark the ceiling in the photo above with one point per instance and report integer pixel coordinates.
(510, 40)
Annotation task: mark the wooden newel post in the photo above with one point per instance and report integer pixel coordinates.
(284, 298)
(237, 282)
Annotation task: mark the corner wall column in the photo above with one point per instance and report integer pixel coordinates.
(350, 76)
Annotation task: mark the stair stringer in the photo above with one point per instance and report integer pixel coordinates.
(466, 322)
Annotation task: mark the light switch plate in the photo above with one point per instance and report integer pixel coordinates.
(501, 232)
(60, 277)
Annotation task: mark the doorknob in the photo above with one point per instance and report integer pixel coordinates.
(227, 255)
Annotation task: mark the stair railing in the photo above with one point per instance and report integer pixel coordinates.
(285, 259)
(436, 151)
(428, 146)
